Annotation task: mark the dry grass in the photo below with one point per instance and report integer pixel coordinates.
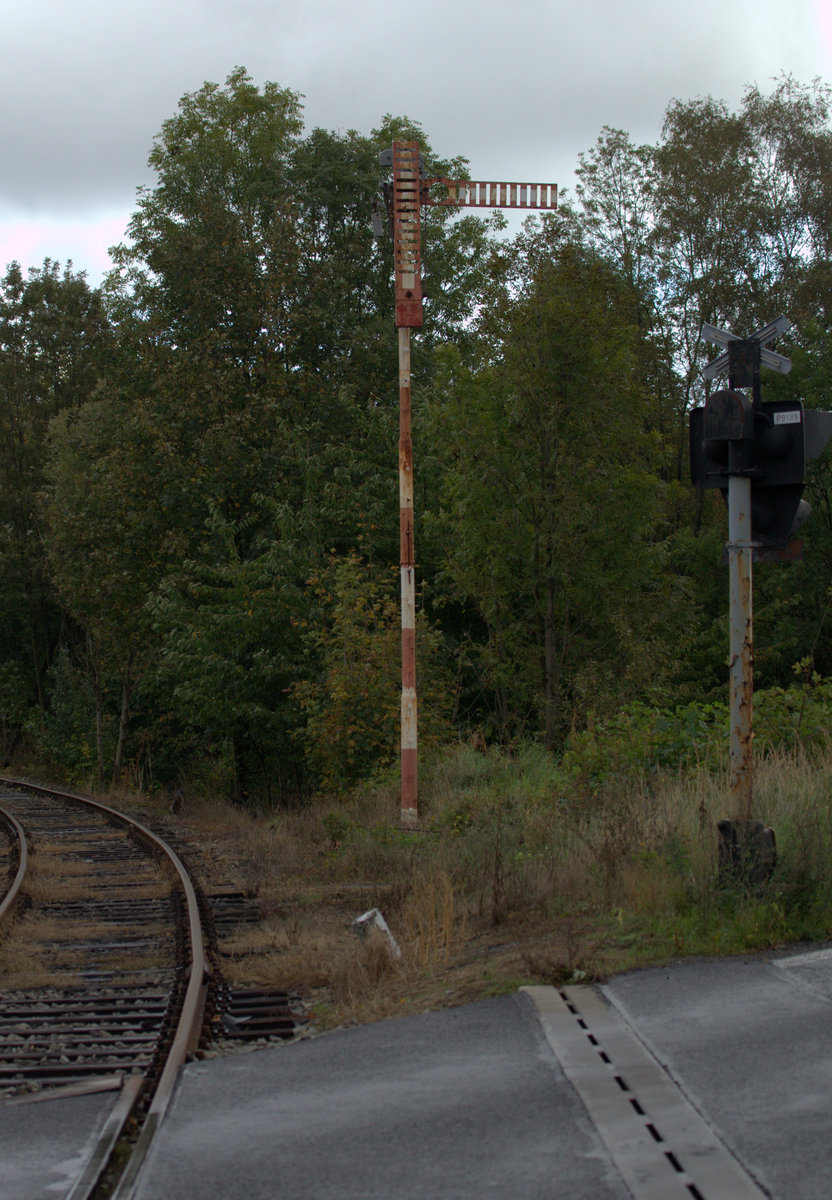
(50, 929)
(46, 883)
(46, 886)
(52, 878)
(42, 949)
(21, 972)
(511, 878)
(510, 881)
(433, 921)
(311, 888)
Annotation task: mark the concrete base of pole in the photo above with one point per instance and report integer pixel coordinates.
(747, 853)
(410, 817)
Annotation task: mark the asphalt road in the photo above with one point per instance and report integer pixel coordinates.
(463, 1103)
(730, 1060)
(750, 1041)
(701, 1080)
(44, 1145)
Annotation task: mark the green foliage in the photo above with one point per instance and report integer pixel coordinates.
(624, 878)
(797, 716)
(546, 501)
(53, 339)
(227, 628)
(352, 705)
(186, 449)
(209, 238)
(14, 689)
(65, 733)
(639, 739)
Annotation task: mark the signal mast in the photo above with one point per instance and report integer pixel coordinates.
(411, 189)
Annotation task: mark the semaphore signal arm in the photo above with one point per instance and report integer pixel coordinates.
(411, 190)
(478, 193)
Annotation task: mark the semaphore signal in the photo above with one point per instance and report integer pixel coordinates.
(412, 190)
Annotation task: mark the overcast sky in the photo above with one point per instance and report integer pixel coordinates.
(519, 87)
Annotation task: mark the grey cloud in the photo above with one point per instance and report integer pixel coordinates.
(518, 86)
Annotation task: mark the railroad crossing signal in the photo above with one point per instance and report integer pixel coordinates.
(411, 190)
(767, 441)
(744, 356)
(731, 436)
(756, 454)
(734, 437)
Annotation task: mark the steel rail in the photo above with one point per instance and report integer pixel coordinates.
(189, 1024)
(9, 901)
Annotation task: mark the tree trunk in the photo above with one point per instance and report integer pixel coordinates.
(95, 669)
(118, 761)
(238, 757)
(549, 667)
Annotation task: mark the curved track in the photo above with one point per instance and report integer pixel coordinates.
(105, 976)
(19, 855)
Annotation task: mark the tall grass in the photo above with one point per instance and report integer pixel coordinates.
(525, 867)
(514, 837)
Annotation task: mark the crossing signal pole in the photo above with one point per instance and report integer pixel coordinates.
(412, 190)
(736, 443)
(755, 452)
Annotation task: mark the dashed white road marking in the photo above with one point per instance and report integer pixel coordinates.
(659, 1142)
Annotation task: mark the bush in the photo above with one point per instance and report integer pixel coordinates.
(800, 715)
(352, 708)
(640, 739)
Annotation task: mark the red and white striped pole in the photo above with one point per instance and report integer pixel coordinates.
(410, 191)
(409, 724)
(408, 266)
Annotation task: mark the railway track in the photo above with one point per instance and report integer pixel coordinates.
(105, 972)
(14, 858)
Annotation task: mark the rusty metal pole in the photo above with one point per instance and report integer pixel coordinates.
(409, 726)
(740, 555)
(407, 253)
(732, 422)
(744, 369)
(411, 189)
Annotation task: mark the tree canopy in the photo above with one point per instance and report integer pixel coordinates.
(198, 497)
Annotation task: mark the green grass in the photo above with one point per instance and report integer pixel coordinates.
(526, 868)
(632, 857)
